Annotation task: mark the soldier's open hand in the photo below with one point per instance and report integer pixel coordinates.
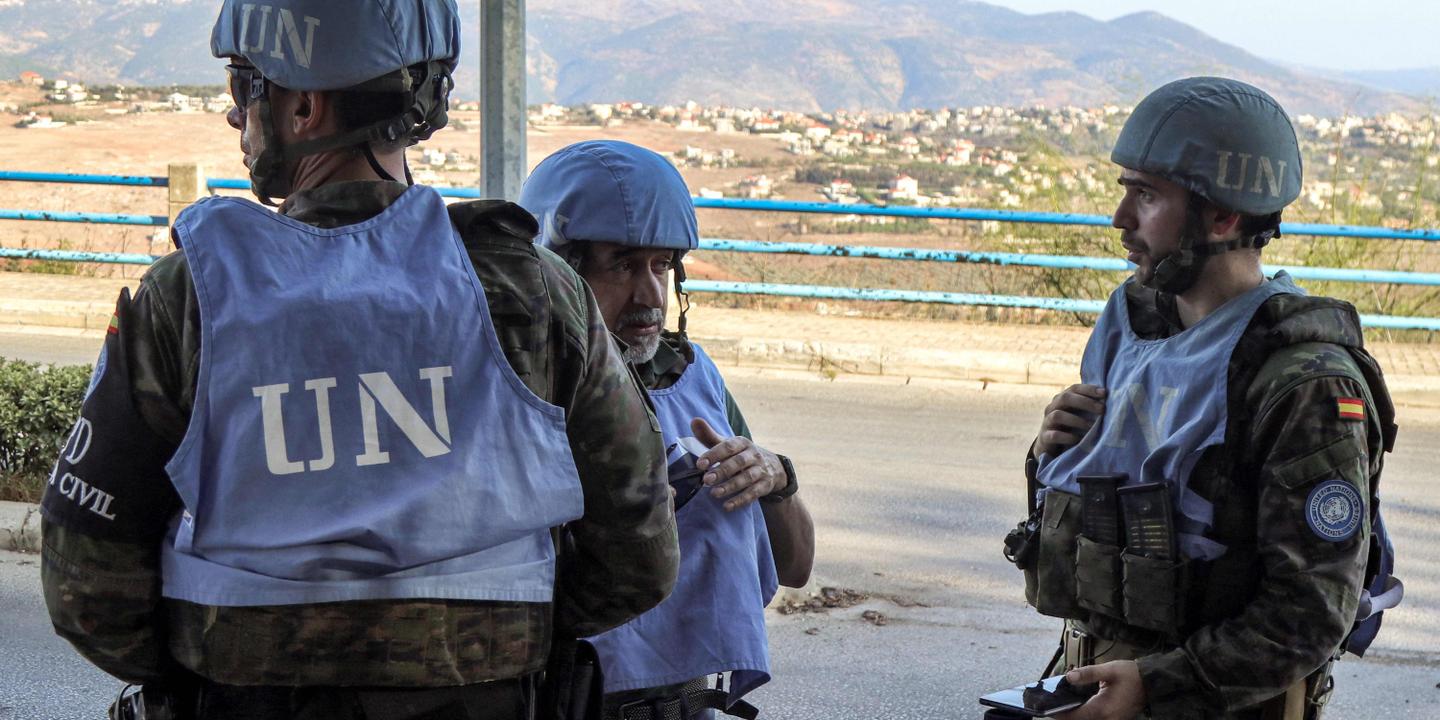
(737, 470)
(1068, 417)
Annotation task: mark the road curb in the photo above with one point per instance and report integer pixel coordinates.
(19, 527)
(823, 357)
(56, 314)
(835, 358)
(984, 366)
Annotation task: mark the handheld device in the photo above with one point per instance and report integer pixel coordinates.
(1039, 699)
(685, 478)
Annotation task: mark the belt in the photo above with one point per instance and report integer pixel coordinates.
(511, 699)
(1303, 700)
(1079, 648)
(679, 703)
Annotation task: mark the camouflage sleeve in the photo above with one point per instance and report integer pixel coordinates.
(735, 417)
(105, 512)
(104, 598)
(1312, 531)
(626, 552)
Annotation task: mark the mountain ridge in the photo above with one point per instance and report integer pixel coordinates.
(808, 55)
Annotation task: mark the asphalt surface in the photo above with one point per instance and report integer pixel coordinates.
(912, 486)
(58, 347)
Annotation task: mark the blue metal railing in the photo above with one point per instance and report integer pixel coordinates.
(812, 291)
(1092, 307)
(1046, 218)
(85, 217)
(75, 256)
(132, 180)
(1064, 262)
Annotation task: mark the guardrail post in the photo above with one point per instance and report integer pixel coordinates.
(187, 184)
(503, 113)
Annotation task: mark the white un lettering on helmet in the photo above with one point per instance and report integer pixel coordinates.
(264, 28)
(1248, 172)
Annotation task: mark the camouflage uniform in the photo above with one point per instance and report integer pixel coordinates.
(101, 578)
(1275, 608)
(671, 358)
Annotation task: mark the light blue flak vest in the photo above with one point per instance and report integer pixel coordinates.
(1167, 403)
(357, 432)
(714, 620)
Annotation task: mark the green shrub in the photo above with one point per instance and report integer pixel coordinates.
(38, 406)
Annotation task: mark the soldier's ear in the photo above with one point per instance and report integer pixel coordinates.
(312, 114)
(1223, 223)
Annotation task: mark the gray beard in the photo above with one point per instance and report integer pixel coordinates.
(645, 350)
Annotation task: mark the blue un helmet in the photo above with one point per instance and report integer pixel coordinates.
(406, 47)
(1224, 140)
(612, 191)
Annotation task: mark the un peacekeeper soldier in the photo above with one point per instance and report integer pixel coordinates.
(1250, 406)
(623, 217)
(318, 467)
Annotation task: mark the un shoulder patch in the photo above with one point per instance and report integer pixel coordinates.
(1334, 510)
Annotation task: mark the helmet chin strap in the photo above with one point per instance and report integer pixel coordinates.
(267, 168)
(681, 297)
(428, 88)
(1177, 272)
(378, 169)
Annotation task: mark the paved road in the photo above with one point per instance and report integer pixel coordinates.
(912, 486)
(61, 347)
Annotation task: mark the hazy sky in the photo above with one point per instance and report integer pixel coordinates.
(1341, 34)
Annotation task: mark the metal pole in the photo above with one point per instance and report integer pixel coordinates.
(502, 98)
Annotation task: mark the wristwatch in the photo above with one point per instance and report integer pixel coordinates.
(791, 486)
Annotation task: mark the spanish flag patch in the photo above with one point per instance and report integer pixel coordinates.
(1351, 408)
(114, 328)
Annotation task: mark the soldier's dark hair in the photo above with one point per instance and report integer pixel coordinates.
(1250, 225)
(357, 109)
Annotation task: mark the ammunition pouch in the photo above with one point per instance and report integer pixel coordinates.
(1099, 577)
(1154, 593)
(1050, 585)
(1074, 576)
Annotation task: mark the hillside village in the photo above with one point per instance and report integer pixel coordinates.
(1035, 158)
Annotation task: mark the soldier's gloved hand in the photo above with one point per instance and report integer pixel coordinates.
(738, 471)
(1068, 417)
(1121, 696)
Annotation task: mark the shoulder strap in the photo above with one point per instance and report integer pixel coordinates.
(1379, 396)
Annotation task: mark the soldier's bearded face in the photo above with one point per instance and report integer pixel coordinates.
(1151, 218)
(631, 287)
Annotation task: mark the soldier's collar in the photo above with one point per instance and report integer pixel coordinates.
(342, 203)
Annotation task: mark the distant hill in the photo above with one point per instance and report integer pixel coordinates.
(1421, 82)
(807, 55)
